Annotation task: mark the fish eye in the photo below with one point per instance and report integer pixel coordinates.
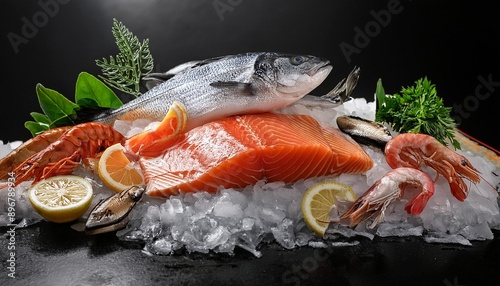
(297, 60)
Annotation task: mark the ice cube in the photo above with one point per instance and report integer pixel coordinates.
(167, 214)
(8, 147)
(284, 233)
(399, 229)
(270, 215)
(234, 196)
(303, 238)
(228, 246)
(344, 243)
(216, 237)
(192, 243)
(446, 238)
(177, 205)
(252, 210)
(477, 232)
(228, 210)
(249, 241)
(247, 223)
(162, 246)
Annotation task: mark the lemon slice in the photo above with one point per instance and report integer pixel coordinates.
(61, 198)
(318, 201)
(116, 171)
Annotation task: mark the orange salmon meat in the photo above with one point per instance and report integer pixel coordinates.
(238, 151)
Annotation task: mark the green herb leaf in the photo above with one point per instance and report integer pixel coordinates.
(91, 92)
(417, 109)
(380, 94)
(40, 118)
(55, 105)
(35, 127)
(125, 71)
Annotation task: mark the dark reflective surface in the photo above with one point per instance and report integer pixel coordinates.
(52, 254)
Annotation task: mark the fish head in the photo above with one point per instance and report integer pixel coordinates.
(293, 76)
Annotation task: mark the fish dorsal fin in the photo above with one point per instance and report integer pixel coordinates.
(235, 86)
(153, 79)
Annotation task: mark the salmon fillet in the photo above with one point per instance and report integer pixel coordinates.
(238, 151)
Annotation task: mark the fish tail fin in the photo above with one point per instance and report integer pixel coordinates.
(342, 91)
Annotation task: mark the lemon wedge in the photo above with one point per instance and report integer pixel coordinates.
(318, 201)
(116, 171)
(61, 198)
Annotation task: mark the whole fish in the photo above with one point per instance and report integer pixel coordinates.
(364, 131)
(219, 87)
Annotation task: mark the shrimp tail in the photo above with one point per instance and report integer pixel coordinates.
(416, 205)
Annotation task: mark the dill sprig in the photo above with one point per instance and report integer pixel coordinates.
(417, 109)
(125, 70)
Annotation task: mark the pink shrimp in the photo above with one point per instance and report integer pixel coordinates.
(415, 150)
(374, 202)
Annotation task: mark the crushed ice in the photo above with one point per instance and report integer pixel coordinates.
(271, 212)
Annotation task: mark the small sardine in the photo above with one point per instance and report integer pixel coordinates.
(111, 214)
(230, 85)
(364, 131)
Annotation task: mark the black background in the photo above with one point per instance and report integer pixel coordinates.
(453, 44)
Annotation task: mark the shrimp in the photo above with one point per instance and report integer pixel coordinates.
(28, 148)
(415, 150)
(374, 202)
(82, 141)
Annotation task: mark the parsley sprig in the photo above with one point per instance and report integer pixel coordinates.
(417, 109)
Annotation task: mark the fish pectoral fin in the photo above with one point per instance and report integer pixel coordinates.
(240, 87)
(174, 123)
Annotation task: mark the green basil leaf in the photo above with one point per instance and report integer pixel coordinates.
(40, 118)
(91, 92)
(88, 103)
(62, 121)
(54, 104)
